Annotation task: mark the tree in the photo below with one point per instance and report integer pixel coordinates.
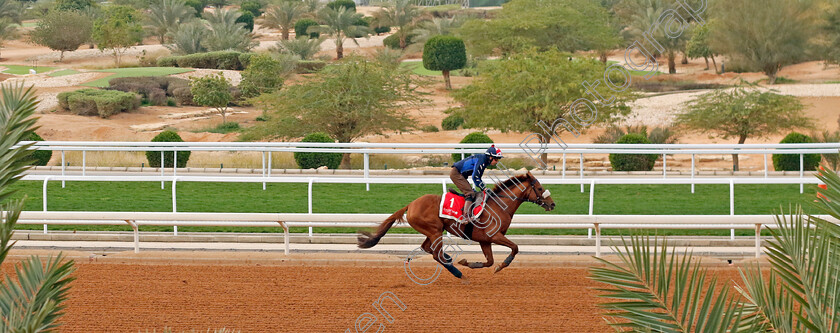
(264, 75)
(645, 18)
(197, 5)
(62, 31)
(304, 48)
(8, 30)
(11, 9)
(188, 39)
(743, 113)
(247, 19)
(36, 299)
(253, 6)
(347, 100)
(567, 25)
(444, 53)
(166, 16)
(73, 4)
(118, 30)
(656, 289)
(212, 91)
(767, 34)
(340, 24)
(437, 26)
(283, 17)
(698, 46)
(401, 14)
(225, 33)
(831, 35)
(518, 93)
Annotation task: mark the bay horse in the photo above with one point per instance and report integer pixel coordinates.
(490, 228)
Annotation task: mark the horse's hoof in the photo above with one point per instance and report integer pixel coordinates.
(463, 262)
(498, 268)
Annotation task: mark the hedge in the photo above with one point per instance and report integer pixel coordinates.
(169, 157)
(41, 156)
(790, 162)
(349, 4)
(451, 122)
(633, 162)
(89, 102)
(317, 160)
(302, 25)
(154, 90)
(474, 137)
(393, 41)
(231, 60)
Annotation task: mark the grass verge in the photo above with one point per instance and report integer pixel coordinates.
(134, 72)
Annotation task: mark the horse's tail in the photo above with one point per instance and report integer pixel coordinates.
(368, 240)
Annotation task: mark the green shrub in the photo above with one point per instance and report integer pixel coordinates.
(474, 137)
(170, 61)
(444, 53)
(429, 128)
(349, 4)
(252, 6)
(381, 30)
(393, 41)
(262, 118)
(633, 162)
(315, 160)
(198, 5)
(310, 66)
(169, 157)
(264, 74)
(88, 102)
(451, 122)
(231, 60)
(247, 19)
(790, 162)
(154, 90)
(226, 127)
(183, 95)
(41, 156)
(171, 102)
(302, 25)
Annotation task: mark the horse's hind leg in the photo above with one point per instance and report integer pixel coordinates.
(504, 241)
(488, 253)
(444, 259)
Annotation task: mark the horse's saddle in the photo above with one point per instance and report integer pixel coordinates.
(452, 205)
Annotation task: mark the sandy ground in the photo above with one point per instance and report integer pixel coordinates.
(138, 295)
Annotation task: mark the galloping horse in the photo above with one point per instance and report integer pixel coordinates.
(490, 228)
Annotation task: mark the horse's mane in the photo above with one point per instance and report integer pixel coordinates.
(510, 183)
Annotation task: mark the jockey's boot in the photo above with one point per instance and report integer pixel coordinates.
(466, 216)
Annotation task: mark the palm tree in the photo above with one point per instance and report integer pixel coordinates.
(401, 14)
(657, 291)
(165, 17)
(8, 30)
(645, 18)
(304, 48)
(34, 302)
(188, 39)
(340, 23)
(283, 17)
(225, 33)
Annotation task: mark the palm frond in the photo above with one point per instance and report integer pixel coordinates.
(16, 108)
(34, 302)
(659, 291)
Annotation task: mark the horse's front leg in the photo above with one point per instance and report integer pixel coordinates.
(488, 253)
(504, 241)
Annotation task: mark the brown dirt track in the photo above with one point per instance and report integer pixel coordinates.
(140, 295)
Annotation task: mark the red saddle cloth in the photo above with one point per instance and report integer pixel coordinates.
(452, 206)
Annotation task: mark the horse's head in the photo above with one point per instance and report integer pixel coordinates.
(537, 194)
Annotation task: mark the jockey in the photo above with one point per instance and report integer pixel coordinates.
(473, 166)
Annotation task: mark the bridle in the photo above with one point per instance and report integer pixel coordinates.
(533, 187)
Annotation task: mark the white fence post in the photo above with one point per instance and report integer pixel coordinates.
(174, 202)
(765, 165)
(46, 179)
(692, 173)
(309, 195)
(731, 205)
(263, 168)
(581, 172)
(162, 164)
(84, 158)
(564, 166)
(591, 205)
(664, 166)
(367, 170)
(62, 168)
(801, 173)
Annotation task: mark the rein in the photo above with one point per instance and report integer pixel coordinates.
(539, 200)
